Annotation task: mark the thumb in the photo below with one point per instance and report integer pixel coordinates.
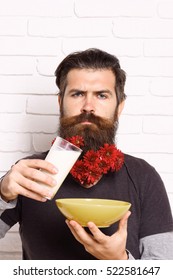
(123, 222)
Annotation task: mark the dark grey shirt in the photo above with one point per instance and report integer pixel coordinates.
(45, 235)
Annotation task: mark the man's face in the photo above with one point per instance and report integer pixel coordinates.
(89, 107)
(90, 91)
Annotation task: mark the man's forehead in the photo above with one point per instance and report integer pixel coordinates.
(89, 70)
(91, 75)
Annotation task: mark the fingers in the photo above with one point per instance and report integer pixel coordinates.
(97, 234)
(100, 237)
(78, 231)
(30, 175)
(32, 189)
(70, 226)
(38, 164)
(39, 176)
(27, 179)
(123, 222)
(27, 193)
(82, 236)
(100, 245)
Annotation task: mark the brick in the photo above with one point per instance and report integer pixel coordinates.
(42, 124)
(27, 85)
(130, 124)
(17, 65)
(14, 228)
(162, 87)
(142, 28)
(10, 158)
(46, 66)
(12, 103)
(78, 27)
(11, 242)
(148, 67)
(30, 46)
(10, 142)
(149, 105)
(170, 196)
(47, 105)
(42, 142)
(158, 47)
(99, 8)
(165, 9)
(161, 162)
(115, 46)
(158, 125)
(37, 8)
(145, 143)
(13, 26)
(10, 256)
(136, 86)
(28, 124)
(168, 179)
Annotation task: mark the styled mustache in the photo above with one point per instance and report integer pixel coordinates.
(86, 117)
(95, 134)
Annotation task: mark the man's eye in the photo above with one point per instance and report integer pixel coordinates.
(102, 95)
(76, 94)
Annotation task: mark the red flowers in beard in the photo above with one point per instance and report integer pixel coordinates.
(95, 163)
(88, 169)
(76, 140)
(111, 156)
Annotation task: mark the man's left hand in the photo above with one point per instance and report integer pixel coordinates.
(98, 244)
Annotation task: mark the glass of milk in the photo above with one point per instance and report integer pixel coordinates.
(63, 155)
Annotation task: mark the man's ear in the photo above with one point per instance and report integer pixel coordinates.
(120, 108)
(59, 100)
(60, 103)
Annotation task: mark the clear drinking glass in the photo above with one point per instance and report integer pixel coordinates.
(63, 155)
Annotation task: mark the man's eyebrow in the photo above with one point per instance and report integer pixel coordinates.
(76, 90)
(96, 91)
(104, 91)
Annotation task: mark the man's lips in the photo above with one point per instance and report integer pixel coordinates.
(86, 122)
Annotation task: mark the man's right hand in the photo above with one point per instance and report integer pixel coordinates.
(24, 178)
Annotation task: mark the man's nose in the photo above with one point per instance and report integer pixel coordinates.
(88, 106)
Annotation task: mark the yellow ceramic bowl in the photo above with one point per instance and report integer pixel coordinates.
(103, 212)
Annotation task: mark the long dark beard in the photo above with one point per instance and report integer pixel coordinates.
(95, 135)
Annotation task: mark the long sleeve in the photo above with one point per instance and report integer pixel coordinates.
(157, 246)
(3, 206)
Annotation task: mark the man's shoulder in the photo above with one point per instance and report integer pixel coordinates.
(143, 174)
(136, 161)
(138, 165)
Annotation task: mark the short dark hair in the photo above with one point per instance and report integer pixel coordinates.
(91, 59)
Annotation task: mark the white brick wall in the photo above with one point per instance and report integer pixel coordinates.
(36, 35)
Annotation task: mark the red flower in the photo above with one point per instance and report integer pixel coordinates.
(93, 175)
(79, 171)
(119, 161)
(90, 168)
(107, 152)
(95, 163)
(76, 140)
(104, 166)
(91, 158)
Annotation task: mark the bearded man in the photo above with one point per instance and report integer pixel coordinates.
(91, 99)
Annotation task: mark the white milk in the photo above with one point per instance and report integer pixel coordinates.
(64, 161)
